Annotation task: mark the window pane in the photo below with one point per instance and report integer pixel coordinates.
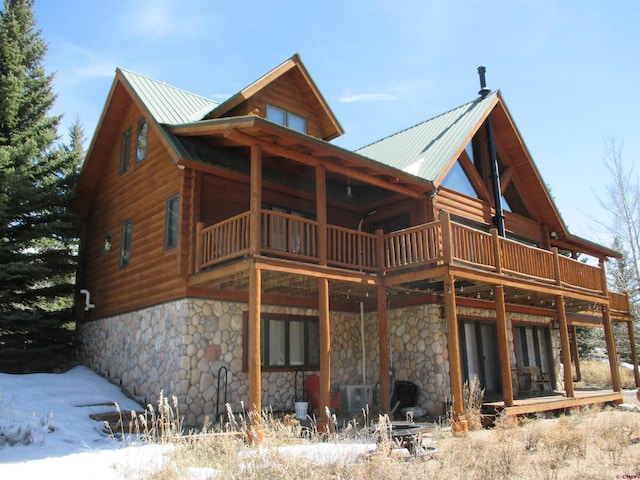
(276, 342)
(276, 115)
(141, 144)
(296, 122)
(296, 342)
(125, 243)
(313, 343)
(457, 180)
(125, 151)
(171, 222)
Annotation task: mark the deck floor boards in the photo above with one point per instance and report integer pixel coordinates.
(555, 401)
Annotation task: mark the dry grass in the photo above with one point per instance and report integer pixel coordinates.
(598, 374)
(592, 444)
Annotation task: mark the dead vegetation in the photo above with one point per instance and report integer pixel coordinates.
(590, 444)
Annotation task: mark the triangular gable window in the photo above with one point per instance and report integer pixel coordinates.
(512, 201)
(458, 180)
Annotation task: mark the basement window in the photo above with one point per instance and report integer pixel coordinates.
(287, 342)
(287, 119)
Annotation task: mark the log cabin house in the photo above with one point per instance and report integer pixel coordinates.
(229, 248)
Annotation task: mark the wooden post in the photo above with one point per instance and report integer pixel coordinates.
(383, 341)
(255, 201)
(453, 348)
(447, 247)
(503, 346)
(556, 266)
(255, 384)
(608, 333)
(325, 345)
(574, 352)
(199, 246)
(611, 348)
(634, 353)
(497, 251)
(380, 252)
(565, 348)
(321, 213)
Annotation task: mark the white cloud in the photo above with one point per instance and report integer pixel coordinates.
(165, 19)
(367, 97)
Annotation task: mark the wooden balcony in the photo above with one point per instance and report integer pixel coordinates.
(421, 247)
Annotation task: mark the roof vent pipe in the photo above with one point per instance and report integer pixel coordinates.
(498, 219)
(484, 91)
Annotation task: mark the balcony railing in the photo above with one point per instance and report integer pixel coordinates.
(441, 242)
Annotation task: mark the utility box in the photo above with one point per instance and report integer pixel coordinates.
(356, 397)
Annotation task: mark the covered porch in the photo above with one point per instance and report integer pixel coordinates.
(263, 253)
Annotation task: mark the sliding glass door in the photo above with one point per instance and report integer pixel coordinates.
(479, 354)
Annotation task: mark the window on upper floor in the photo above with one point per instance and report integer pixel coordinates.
(287, 341)
(141, 140)
(171, 222)
(125, 242)
(458, 180)
(288, 119)
(125, 151)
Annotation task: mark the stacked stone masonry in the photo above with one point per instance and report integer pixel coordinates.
(180, 348)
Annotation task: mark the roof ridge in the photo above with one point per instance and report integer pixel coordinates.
(476, 100)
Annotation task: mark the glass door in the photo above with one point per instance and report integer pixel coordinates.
(479, 354)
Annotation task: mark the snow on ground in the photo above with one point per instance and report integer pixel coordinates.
(45, 429)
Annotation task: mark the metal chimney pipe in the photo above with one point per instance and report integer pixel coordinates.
(498, 219)
(484, 91)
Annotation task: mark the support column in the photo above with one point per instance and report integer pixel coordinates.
(255, 200)
(321, 213)
(383, 339)
(611, 349)
(565, 347)
(503, 346)
(575, 353)
(634, 353)
(455, 374)
(255, 383)
(325, 345)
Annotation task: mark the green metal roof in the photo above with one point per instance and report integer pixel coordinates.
(426, 149)
(167, 104)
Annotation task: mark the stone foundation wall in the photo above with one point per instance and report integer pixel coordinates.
(181, 347)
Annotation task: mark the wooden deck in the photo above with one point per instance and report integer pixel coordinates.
(557, 401)
(477, 256)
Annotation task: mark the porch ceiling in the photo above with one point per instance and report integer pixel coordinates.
(279, 279)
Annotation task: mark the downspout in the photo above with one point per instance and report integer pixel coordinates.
(362, 339)
(364, 353)
(87, 299)
(498, 219)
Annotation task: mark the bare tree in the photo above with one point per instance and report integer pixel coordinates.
(622, 201)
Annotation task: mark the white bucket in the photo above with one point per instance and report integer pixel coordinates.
(301, 410)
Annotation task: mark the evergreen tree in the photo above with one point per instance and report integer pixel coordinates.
(37, 232)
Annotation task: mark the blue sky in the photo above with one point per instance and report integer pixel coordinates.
(569, 70)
